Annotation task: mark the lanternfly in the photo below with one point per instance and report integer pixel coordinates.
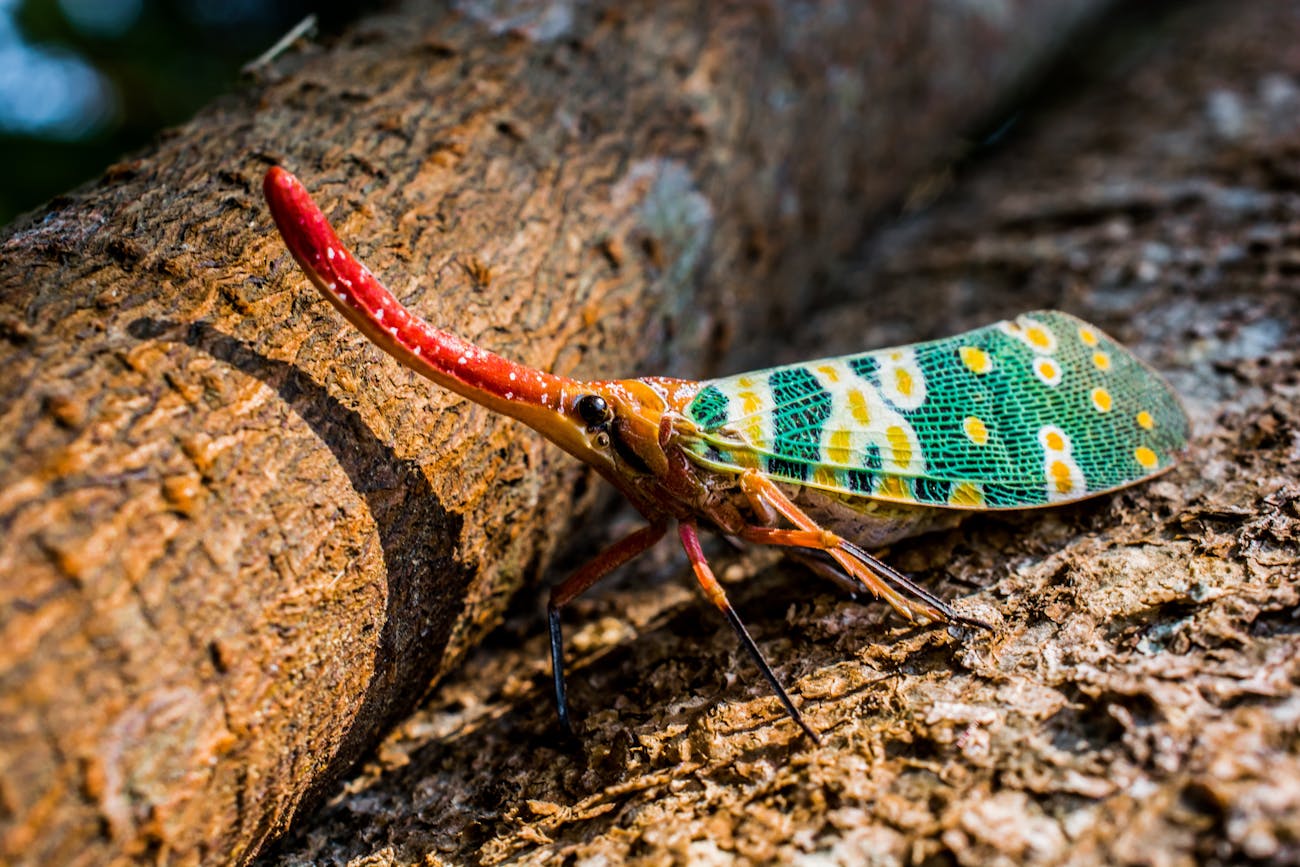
(829, 457)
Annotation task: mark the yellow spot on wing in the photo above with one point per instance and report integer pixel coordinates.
(894, 488)
(1145, 420)
(1088, 336)
(750, 403)
(1047, 371)
(1038, 337)
(899, 444)
(975, 359)
(1146, 457)
(830, 371)
(826, 477)
(903, 381)
(858, 407)
(1101, 360)
(1101, 399)
(1054, 441)
(965, 494)
(754, 430)
(1060, 471)
(838, 451)
(976, 431)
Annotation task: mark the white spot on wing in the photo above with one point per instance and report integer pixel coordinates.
(1057, 452)
(881, 417)
(749, 402)
(901, 380)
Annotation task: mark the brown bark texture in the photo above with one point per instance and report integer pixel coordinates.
(1138, 701)
(237, 542)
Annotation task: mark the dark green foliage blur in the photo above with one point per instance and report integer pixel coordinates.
(85, 82)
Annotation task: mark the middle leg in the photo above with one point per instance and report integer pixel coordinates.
(715, 594)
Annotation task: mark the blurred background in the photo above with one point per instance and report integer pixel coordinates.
(84, 82)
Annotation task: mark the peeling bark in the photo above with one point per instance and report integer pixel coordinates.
(237, 543)
(1138, 702)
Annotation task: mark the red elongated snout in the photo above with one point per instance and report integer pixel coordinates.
(575, 415)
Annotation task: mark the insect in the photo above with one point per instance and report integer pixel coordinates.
(827, 458)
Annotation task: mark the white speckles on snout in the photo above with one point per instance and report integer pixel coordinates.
(329, 253)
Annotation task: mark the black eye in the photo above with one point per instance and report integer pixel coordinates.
(593, 410)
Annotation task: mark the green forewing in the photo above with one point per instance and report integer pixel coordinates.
(1042, 409)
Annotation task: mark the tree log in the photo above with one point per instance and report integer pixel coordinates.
(1138, 703)
(237, 542)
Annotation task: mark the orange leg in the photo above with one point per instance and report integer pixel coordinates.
(874, 575)
(579, 582)
(715, 594)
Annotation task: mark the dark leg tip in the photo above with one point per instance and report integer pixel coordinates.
(972, 622)
(569, 739)
(808, 732)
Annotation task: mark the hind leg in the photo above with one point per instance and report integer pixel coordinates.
(882, 580)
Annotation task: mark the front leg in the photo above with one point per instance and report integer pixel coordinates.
(578, 583)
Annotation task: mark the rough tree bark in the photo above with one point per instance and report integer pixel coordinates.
(1138, 703)
(237, 544)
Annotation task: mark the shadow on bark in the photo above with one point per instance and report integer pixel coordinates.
(406, 512)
